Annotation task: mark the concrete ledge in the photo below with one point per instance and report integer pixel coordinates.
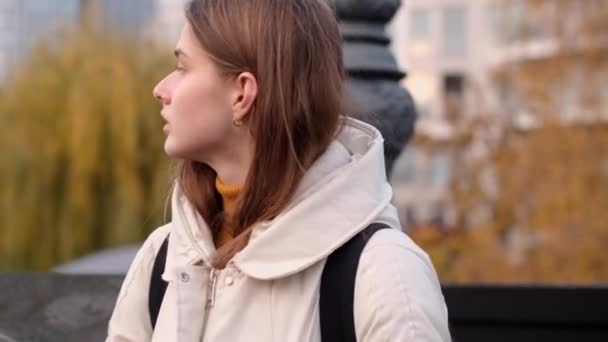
(52, 307)
(114, 261)
(49, 307)
(528, 313)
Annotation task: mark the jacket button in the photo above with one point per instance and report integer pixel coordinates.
(185, 277)
(229, 281)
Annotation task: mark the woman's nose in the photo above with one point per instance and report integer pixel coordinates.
(158, 94)
(159, 98)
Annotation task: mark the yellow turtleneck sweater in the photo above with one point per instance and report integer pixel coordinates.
(229, 195)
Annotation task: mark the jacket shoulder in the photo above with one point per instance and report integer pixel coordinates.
(397, 293)
(156, 238)
(141, 266)
(394, 240)
(130, 320)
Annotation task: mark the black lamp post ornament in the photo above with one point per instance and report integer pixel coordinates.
(373, 88)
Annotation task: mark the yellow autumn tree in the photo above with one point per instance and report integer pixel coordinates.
(542, 189)
(81, 149)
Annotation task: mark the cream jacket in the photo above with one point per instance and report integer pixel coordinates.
(270, 290)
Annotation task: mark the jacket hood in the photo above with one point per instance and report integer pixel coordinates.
(344, 191)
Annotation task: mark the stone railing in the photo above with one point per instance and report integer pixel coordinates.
(51, 307)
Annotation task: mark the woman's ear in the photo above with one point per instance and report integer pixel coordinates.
(244, 96)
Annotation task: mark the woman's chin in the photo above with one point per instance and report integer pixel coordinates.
(175, 151)
(170, 149)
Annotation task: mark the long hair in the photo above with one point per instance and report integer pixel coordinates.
(293, 48)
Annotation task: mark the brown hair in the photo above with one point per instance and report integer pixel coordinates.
(293, 48)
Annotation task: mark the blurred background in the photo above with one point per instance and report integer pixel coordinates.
(504, 181)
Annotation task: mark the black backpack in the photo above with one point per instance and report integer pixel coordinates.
(337, 287)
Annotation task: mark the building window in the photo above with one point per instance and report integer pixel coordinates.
(420, 25)
(419, 22)
(440, 170)
(453, 92)
(454, 31)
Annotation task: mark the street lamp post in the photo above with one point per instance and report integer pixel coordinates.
(373, 84)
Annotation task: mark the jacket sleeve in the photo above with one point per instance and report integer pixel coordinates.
(397, 293)
(130, 321)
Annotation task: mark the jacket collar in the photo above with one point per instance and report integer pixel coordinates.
(344, 191)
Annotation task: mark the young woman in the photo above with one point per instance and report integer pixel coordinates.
(271, 181)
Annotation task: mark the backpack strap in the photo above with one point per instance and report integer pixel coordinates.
(338, 288)
(157, 285)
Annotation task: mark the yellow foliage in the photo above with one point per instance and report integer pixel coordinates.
(549, 216)
(549, 221)
(81, 150)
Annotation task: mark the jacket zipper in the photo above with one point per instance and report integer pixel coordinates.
(213, 275)
(212, 285)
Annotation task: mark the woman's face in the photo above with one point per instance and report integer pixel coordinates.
(196, 103)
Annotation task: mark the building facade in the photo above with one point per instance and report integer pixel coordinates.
(23, 23)
(451, 49)
(169, 20)
(445, 45)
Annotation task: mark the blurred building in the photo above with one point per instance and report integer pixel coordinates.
(23, 23)
(451, 49)
(132, 16)
(445, 45)
(169, 20)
